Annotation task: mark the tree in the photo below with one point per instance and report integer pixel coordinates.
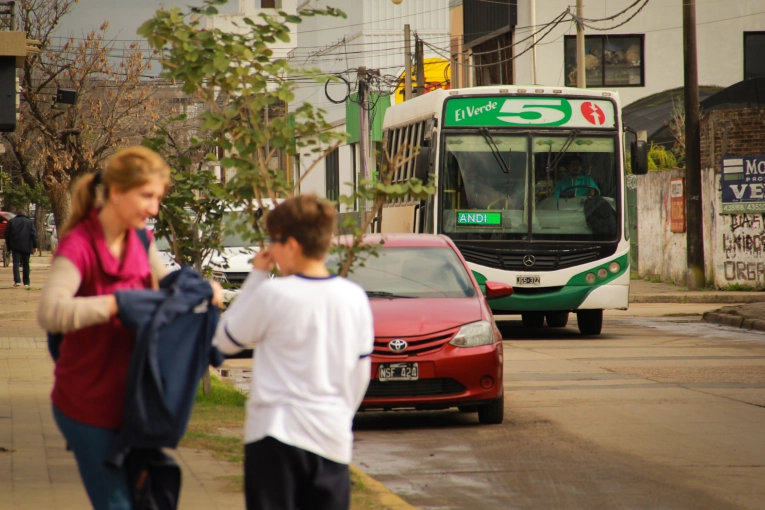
(114, 106)
(238, 80)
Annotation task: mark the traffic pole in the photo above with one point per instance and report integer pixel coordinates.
(693, 205)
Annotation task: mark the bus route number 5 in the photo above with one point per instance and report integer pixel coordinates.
(537, 112)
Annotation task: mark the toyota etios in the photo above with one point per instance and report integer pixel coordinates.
(436, 343)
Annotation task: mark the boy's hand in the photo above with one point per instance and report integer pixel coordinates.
(263, 260)
(218, 294)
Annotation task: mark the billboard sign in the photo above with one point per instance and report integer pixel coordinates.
(529, 111)
(743, 184)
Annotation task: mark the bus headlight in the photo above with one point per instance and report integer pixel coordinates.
(602, 273)
(590, 278)
(473, 335)
(614, 267)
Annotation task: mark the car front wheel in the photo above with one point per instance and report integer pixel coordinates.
(492, 413)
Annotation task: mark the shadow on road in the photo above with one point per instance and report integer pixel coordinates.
(412, 420)
(514, 330)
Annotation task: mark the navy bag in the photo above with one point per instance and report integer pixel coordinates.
(55, 339)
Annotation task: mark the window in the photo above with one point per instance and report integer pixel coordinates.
(493, 61)
(610, 60)
(754, 49)
(333, 175)
(270, 4)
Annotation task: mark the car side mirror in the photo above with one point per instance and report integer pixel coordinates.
(496, 290)
(422, 164)
(639, 157)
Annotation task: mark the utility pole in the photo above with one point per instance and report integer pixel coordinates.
(420, 64)
(407, 64)
(363, 100)
(693, 210)
(581, 77)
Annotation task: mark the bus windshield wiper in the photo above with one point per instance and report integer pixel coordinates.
(495, 150)
(387, 295)
(569, 140)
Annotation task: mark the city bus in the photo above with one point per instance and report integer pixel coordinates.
(530, 186)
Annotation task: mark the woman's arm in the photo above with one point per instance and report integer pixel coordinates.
(60, 312)
(158, 267)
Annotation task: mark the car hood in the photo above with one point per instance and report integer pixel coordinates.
(239, 259)
(417, 316)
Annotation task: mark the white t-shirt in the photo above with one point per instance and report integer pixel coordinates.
(312, 338)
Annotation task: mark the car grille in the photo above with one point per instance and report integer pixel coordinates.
(236, 278)
(417, 345)
(544, 260)
(419, 388)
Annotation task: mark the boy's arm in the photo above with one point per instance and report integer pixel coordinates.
(244, 322)
(362, 372)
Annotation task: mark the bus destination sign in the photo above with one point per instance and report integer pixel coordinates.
(479, 219)
(528, 112)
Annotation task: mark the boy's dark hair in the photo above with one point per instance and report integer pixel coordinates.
(307, 218)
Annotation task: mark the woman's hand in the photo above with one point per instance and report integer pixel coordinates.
(263, 260)
(218, 293)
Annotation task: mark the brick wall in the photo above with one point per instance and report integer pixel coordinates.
(731, 133)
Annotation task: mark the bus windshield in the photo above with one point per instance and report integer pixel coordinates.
(498, 186)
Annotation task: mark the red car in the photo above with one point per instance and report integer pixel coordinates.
(5, 217)
(436, 343)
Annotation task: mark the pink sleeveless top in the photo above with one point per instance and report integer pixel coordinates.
(91, 371)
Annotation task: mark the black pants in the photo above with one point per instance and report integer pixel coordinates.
(20, 260)
(278, 476)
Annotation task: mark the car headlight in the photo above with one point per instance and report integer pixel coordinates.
(614, 267)
(473, 335)
(219, 276)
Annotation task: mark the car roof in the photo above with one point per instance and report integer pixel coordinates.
(403, 240)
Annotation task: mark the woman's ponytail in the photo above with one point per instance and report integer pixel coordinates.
(83, 200)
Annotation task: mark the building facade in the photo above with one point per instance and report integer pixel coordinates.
(371, 36)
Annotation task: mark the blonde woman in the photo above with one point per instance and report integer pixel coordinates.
(100, 252)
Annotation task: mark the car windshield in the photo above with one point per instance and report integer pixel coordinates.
(497, 186)
(235, 223)
(414, 273)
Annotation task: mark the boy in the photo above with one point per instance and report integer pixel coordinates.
(312, 336)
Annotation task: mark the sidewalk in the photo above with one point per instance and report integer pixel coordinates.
(747, 310)
(36, 471)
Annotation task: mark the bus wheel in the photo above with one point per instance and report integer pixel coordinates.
(590, 321)
(557, 319)
(533, 319)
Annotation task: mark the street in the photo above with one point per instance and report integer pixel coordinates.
(657, 412)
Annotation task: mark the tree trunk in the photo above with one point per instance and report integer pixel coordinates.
(60, 199)
(42, 233)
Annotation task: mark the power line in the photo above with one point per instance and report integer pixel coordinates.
(593, 27)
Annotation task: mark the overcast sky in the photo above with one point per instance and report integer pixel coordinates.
(124, 16)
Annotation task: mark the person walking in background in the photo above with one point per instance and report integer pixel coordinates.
(21, 239)
(101, 252)
(312, 336)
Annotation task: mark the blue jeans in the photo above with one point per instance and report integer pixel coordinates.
(107, 487)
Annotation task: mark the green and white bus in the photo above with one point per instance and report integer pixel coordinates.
(530, 187)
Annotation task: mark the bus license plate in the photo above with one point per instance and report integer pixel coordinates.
(528, 280)
(398, 372)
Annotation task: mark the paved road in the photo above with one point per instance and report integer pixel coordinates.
(659, 413)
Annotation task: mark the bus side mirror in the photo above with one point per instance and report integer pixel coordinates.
(422, 164)
(639, 157)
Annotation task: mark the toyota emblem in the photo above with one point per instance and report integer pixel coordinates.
(398, 345)
(529, 260)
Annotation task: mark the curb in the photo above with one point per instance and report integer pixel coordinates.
(714, 298)
(386, 498)
(734, 321)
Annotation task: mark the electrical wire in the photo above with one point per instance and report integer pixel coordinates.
(605, 29)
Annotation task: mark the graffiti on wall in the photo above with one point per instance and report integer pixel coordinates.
(743, 243)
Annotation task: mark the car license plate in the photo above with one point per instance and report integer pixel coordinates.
(398, 372)
(528, 280)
